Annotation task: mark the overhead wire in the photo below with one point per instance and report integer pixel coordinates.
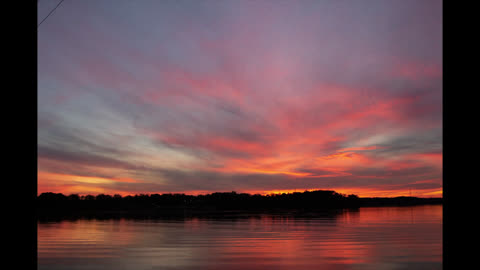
(49, 13)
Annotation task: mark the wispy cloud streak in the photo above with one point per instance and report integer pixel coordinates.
(249, 96)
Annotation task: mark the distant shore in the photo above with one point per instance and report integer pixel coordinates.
(225, 204)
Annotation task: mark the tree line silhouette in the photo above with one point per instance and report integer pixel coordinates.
(219, 201)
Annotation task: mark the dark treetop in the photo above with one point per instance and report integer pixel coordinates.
(57, 204)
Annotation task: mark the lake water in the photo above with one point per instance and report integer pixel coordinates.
(368, 238)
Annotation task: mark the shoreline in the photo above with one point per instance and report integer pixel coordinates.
(49, 214)
(308, 203)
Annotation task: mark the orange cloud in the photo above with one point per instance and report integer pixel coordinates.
(70, 184)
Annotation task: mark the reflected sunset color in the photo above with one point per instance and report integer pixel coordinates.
(366, 238)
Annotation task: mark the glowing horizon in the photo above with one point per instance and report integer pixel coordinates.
(254, 97)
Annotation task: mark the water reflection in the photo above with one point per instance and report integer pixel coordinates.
(368, 238)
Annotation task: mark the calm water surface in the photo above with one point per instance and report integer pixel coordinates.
(368, 238)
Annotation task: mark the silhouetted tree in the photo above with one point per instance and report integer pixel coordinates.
(73, 197)
(307, 200)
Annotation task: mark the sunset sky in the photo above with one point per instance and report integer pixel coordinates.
(250, 96)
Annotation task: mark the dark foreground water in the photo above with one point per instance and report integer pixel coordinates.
(368, 238)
